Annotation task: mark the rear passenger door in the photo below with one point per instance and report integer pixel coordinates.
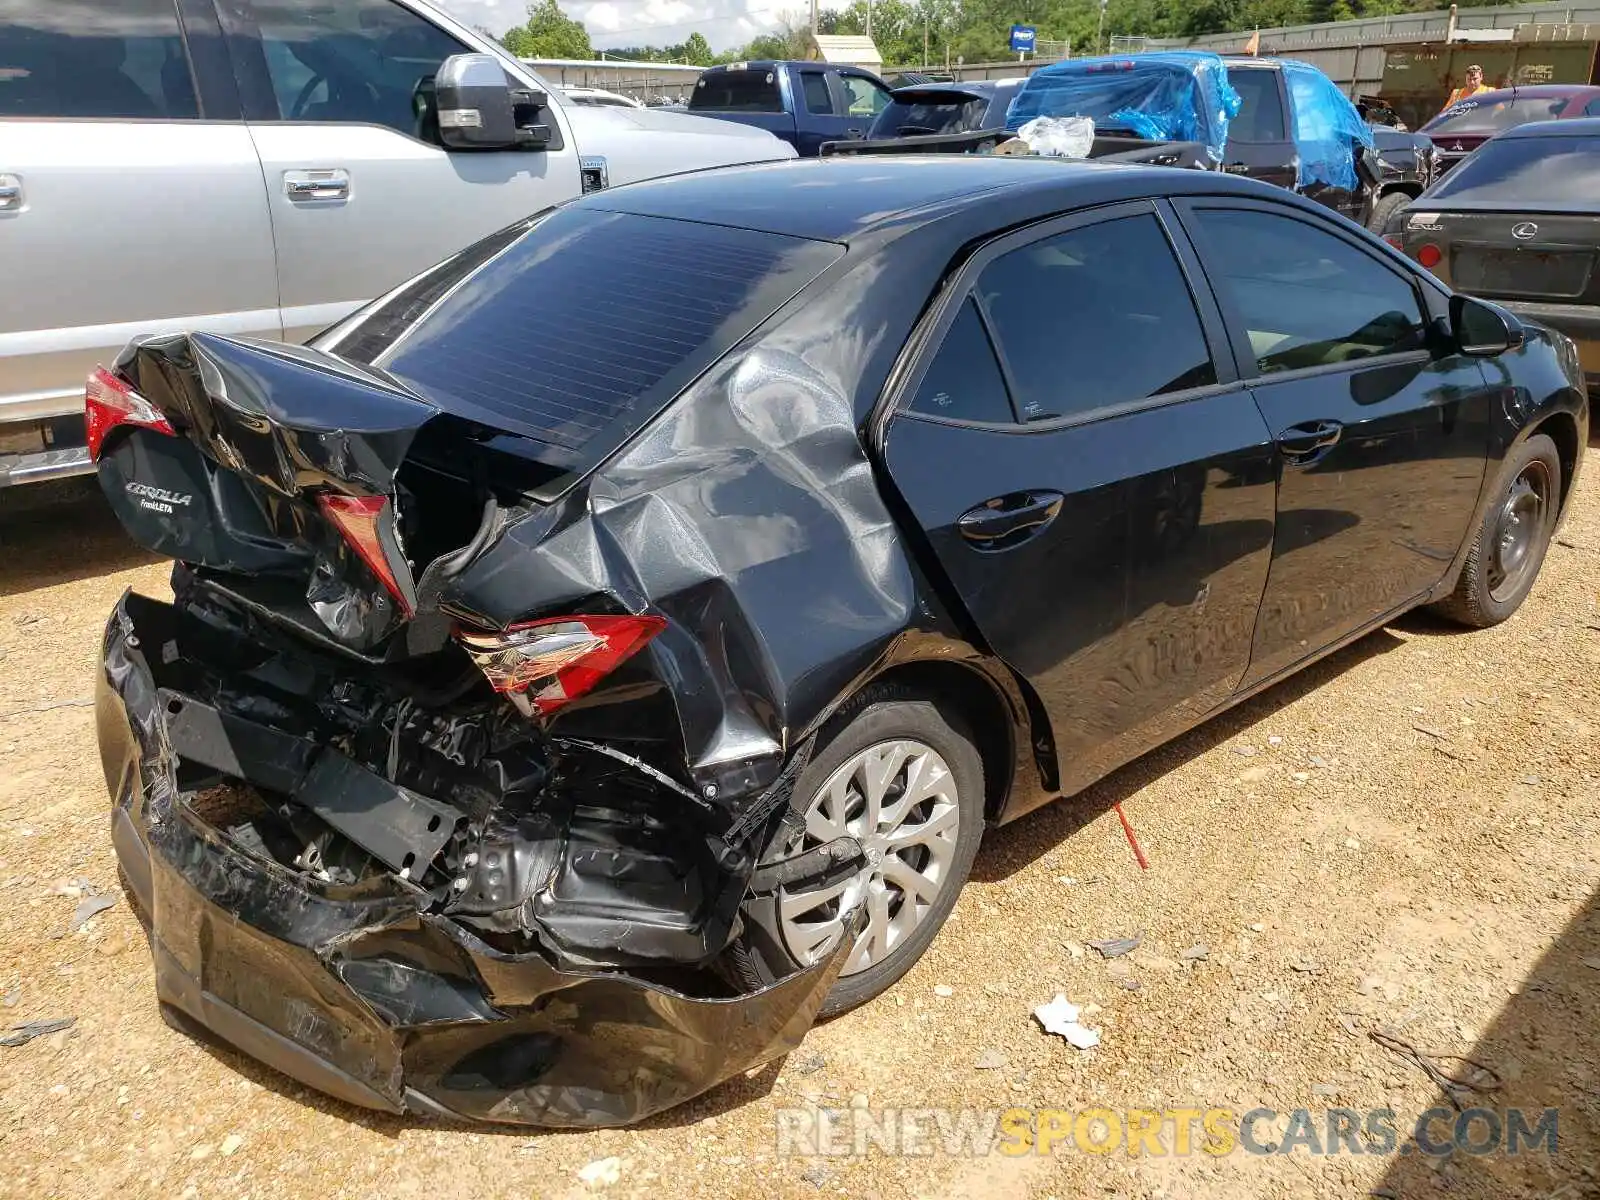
(130, 196)
(359, 201)
(1092, 478)
(1260, 144)
(821, 115)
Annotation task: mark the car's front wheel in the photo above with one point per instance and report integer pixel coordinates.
(1385, 208)
(905, 781)
(1510, 544)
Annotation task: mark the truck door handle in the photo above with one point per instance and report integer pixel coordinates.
(1303, 443)
(1005, 517)
(855, 133)
(10, 193)
(304, 186)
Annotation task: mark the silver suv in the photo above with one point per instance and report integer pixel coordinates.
(255, 167)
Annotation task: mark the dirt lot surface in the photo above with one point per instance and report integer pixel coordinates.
(1407, 835)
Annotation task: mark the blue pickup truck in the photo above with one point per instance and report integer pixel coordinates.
(804, 103)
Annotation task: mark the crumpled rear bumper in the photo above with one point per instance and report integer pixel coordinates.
(384, 1005)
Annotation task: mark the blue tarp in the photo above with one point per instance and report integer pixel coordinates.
(1178, 95)
(1326, 127)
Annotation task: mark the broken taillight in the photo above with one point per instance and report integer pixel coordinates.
(551, 662)
(109, 401)
(360, 519)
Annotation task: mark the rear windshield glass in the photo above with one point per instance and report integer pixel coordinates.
(930, 114)
(573, 334)
(1528, 170)
(1484, 115)
(737, 91)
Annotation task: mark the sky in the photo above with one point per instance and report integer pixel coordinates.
(724, 23)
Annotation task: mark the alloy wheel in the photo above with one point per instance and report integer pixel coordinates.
(898, 799)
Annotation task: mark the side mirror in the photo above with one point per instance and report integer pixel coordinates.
(478, 108)
(1483, 330)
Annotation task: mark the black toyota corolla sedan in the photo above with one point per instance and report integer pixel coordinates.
(603, 654)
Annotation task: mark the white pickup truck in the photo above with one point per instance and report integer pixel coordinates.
(264, 167)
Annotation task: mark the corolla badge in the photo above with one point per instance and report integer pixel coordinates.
(1524, 230)
(158, 499)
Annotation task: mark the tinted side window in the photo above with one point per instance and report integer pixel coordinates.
(1307, 298)
(963, 381)
(1593, 110)
(349, 60)
(1260, 116)
(818, 98)
(114, 59)
(864, 97)
(1095, 317)
(737, 91)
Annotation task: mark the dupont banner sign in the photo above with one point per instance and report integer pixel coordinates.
(1022, 38)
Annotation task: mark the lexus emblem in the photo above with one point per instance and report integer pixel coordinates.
(1524, 231)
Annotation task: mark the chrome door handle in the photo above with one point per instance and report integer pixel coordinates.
(1005, 517)
(1300, 444)
(10, 193)
(303, 186)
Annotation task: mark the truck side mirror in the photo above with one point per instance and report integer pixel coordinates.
(477, 107)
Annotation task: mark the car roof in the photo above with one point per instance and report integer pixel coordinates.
(1536, 91)
(761, 64)
(1573, 127)
(852, 197)
(974, 87)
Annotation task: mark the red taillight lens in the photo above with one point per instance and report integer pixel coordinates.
(108, 402)
(359, 519)
(557, 660)
(1396, 241)
(1429, 255)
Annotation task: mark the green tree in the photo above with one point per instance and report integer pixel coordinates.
(697, 50)
(548, 33)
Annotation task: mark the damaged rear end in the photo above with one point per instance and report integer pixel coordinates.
(443, 778)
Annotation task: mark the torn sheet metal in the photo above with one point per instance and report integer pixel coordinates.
(367, 994)
(720, 516)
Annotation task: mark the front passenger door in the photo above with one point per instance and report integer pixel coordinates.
(861, 99)
(1382, 431)
(359, 202)
(1092, 478)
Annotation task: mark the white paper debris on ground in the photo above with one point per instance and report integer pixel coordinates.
(601, 1173)
(1061, 1016)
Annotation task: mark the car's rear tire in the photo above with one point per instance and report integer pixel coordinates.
(880, 747)
(1385, 208)
(1510, 543)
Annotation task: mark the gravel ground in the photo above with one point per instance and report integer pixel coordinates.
(1403, 836)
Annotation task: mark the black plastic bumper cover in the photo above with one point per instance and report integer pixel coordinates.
(384, 1005)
